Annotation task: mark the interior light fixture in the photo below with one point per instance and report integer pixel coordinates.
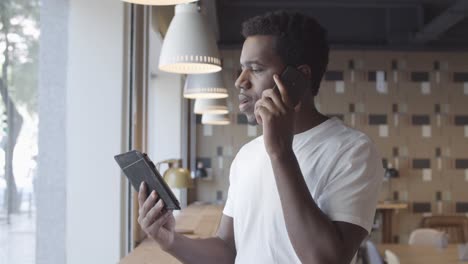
(211, 119)
(159, 2)
(189, 46)
(205, 86)
(210, 106)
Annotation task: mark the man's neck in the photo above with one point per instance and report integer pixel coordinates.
(308, 117)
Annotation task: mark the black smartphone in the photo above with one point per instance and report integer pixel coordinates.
(138, 167)
(295, 82)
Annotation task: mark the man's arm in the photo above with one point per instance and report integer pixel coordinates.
(160, 226)
(315, 238)
(219, 249)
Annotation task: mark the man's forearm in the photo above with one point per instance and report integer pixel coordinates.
(209, 250)
(313, 236)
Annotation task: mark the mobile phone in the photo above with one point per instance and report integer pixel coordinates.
(295, 82)
(138, 167)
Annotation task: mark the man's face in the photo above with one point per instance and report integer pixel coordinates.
(259, 63)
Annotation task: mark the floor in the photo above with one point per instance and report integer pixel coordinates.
(18, 239)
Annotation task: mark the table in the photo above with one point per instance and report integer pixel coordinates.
(388, 209)
(195, 221)
(201, 221)
(423, 254)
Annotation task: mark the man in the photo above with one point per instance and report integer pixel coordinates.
(305, 191)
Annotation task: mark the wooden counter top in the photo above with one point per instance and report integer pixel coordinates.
(196, 221)
(411, 254)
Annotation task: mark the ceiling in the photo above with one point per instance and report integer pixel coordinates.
(378, 24)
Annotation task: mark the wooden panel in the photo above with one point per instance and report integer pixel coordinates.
(199, 221)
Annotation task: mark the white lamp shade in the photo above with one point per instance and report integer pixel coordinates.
(159, 2)
(210, 106)
(189, 46)
(204, 86)
(211, 119)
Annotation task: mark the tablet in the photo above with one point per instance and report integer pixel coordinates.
(138, 167)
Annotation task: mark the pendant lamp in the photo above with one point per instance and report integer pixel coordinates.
(212, 119)
(210, 106)
(189, 46)
(159, 2)
(204, 86)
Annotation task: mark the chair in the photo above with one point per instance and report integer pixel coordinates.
(463, 252)
(428, 237)
(391, 258)
(456, 226)
(372, 254)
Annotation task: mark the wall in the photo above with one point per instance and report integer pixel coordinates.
(164, 110)
(51, 182)
(164, 107)
(417, 115)
(94, 130)
(81, 113)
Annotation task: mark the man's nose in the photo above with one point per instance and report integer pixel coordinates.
(242, 81)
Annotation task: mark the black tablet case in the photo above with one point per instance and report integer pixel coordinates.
(138, 167)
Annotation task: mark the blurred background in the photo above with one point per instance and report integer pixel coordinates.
(82, 81)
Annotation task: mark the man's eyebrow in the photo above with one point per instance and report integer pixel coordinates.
(249, 63)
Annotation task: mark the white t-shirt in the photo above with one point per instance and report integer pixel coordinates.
(343, 172)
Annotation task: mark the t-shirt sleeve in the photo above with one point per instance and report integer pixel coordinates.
(229, 206)
(352, 190)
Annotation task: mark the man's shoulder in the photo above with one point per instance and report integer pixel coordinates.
(355, 144)
(253, 145)
(343, 135)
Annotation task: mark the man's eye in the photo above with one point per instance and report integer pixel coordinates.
(256, 70)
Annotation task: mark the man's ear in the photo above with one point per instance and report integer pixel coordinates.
(306, 70)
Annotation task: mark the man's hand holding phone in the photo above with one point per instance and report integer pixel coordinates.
(275, 112)
(156, 222)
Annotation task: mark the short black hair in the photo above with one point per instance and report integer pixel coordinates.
(299, 39)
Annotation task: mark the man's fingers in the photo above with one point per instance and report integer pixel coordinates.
(257, 113)
(142, 194)
(258, 118)
(283, 92)
(156, 210)
(261, 114)
(149, 203)
(155, 227)
(275, 99)
(152, 214)
(267, 103)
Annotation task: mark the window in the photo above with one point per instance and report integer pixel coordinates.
(19, 45)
